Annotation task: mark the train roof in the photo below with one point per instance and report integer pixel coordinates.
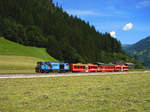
(53, 62)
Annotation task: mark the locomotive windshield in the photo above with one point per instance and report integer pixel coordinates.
(39, 64)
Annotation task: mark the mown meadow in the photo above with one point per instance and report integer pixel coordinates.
(109, 93)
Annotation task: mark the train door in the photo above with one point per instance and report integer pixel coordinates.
(87, 68)
(122, 68)
(61, 67)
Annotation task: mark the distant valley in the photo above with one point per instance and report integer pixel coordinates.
(140, 50)
(126, 46)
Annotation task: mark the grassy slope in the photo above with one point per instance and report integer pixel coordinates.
(15, 58)
(11, 48)
(115, 93)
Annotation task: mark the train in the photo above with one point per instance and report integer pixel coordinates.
(47, 67)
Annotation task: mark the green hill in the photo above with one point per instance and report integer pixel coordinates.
(11, 48)
(16, 58)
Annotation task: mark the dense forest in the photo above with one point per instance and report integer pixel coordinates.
(42, 23)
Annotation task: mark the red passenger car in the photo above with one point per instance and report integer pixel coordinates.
(107, 68)
(125, 68)
(117, 68)
(78, 67)
(92, 68)
(83, 68)
(120, 68)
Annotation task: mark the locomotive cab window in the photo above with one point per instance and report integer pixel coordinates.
(39, 63)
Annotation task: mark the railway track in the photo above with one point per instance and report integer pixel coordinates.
(38, 75)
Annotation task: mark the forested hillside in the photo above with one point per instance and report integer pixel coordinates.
(141, 51)
(40, 23)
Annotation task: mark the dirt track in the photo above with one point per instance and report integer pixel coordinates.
(64, 74)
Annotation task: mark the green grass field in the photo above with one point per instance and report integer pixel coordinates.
(16, 58)
(115, 93)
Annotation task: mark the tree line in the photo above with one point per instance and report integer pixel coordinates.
(41, 23)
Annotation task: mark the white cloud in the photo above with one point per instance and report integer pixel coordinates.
(128, 26)
(113, 34)
(144, 3)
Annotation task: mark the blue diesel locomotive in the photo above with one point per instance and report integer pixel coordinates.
(46, 67)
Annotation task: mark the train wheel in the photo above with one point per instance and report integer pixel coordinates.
(55, 71)
(47, 71)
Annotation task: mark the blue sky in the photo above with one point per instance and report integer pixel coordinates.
(126, 20)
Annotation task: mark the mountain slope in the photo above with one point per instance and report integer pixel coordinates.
(141, 51)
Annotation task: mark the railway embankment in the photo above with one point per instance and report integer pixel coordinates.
(38, 75)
